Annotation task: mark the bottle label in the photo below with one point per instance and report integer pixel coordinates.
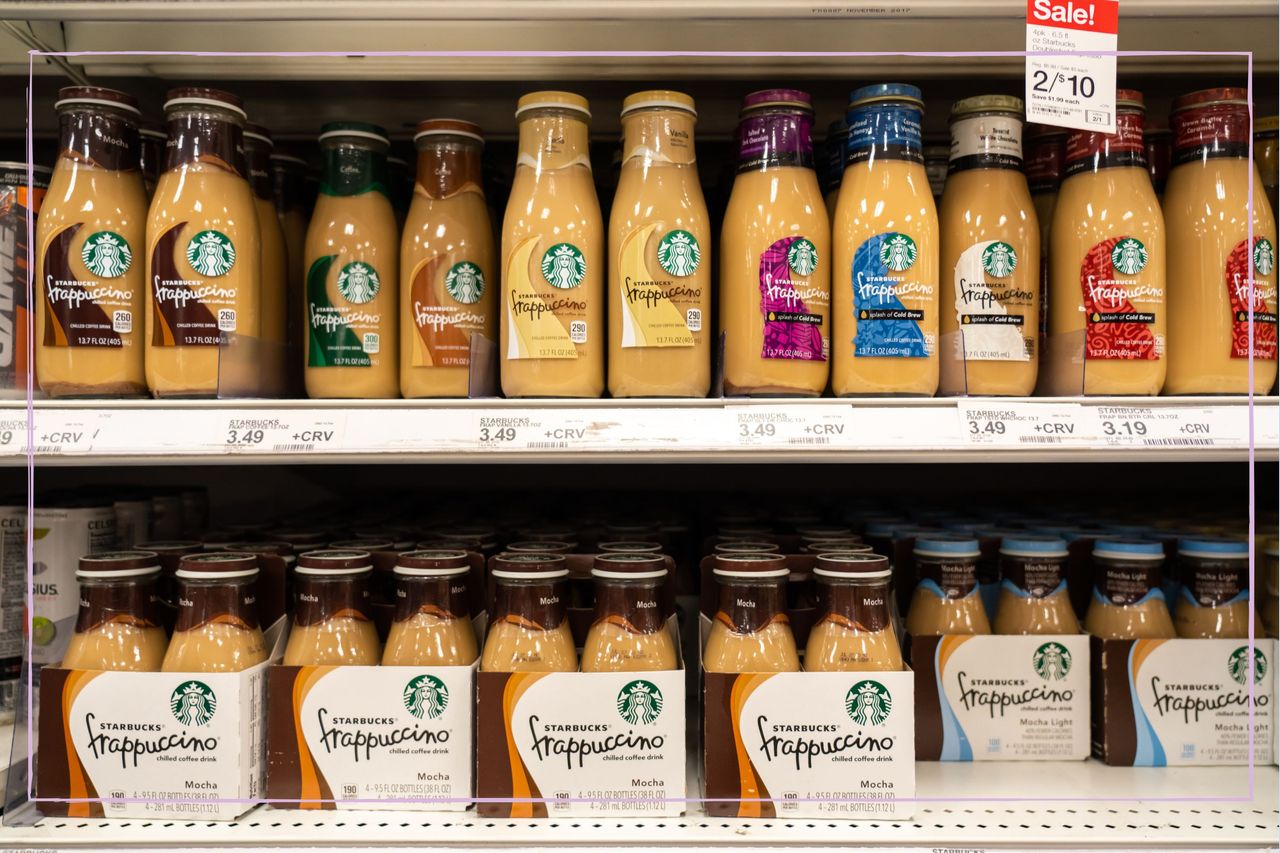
(774, 140)
(194, 304)
(1090, 151)
(890, 300)
(1251, 283)
(347, 331)
(986, 142)
(546, 317)
(790, 302)
(1214, 583)
(993, 309)
(949, 581)
(1211, 131)
(1120, 302)
(445, 324)
(94, 311)
(660, 306)
(888, 132)
(1032, 578)
(1128, 583)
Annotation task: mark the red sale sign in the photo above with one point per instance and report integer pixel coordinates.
(1100, 16)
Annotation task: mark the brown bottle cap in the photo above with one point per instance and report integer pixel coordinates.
(273, 549)
(537, 546)
(852, 565)
(433, 563)
(530, 566)
(629, 566)
(118, 564)
(1233, 95)
(627, 547)
(260, 133)
(334, 562)
(449, 545)
(364, 545)
(832, 546)
(751, 566)
(447, 127)
(96, 96)
(1130, 99)
(171, 546)
(746, 546)
(205, 97)
(218, 566)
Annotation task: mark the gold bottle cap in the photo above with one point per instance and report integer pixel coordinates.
(552, 100)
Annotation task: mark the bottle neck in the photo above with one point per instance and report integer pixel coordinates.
(319, 599)
(537, 605)
(862, 606)
(130, 602)
(750, 606)
(553, 140)
(449, 166)
(884, 132)
(442, 597)
(775, 139)
(1091, 152)
(635, 605)
(352, 170)
(258, 160)
(210, 139)
(203, 602)
(103, 139)
(992, 141)
(657, 137)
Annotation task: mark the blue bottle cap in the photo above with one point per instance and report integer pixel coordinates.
(1208, 546)
(947, 546)
(876, 92)
(1128, 549)
(1033, 546)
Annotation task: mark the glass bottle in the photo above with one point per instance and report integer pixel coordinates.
(855, 631)
(1214, 600)
(629, 632)
(751, 631)
(331, 623)
(117, 626)
(432, 624)
(529, 631)
(1033, 589)
(217, 628)
(1128, 602)
(946, 598)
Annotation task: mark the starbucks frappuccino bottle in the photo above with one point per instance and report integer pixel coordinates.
(990, 307)
(1127, 602)
(217, 628)
(1107, 305)
(855, 631)
(448, 266)
(1044, 149)
(352, 259)
(432, 625)
(288, 186)
(659, 255)
(331, 624)
(1214, 600)
(553, 336)
(629, 633)
(529, 631)
(775, 259)
(1033, 589)
(947, 599)
(204, 255)
(885, 244)
(751, 631)
(118, 627)
(90, 240)
(275, 264)
(1217, 279)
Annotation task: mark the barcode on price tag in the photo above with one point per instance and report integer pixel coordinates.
(1026, 425)
(1063, 87)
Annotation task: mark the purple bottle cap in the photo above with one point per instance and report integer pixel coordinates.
(793, 98)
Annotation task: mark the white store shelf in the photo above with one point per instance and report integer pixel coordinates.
(1067, 806)
(756, 430)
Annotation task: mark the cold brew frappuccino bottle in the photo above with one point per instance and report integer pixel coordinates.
(331, 623)
(751, 631)
(855, 631)
(432, 624)
(629, 633)
(217, 628)
(118, 627)
(529, 631)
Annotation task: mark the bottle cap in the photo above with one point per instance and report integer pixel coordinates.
(433, 563)
(334, 562)
(218, 566)
(886, 93)
(118, 564)
(851, 565)
(98, 96)
(204, 97)
(750, 566)
(658, 99)
(447, 127)
(1128, 549)
(530, 566)
(553, 100)
(629, 566)
(356, 129)
(947, 546)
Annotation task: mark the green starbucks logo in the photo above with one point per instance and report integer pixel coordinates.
(211, 254)
(464, 282)
(106, 254)
(193, 703)
(426, 697)
(1238, 664)
(679, 253)
(640, 702)
(802, 257)
(563, 266)
(999, 260)
(1129, 256)
(898, 252)
(868, 703)
(1052, 661)
(1264, 256)
(358, 282)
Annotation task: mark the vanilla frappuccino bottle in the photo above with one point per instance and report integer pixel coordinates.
(1107, 310)
(90, 235)
(288, 185)
(1217, 280)
(352, 262)
(990, 306)
(275, 263)
(946, 599)
(629, 632)
(432, 624)
(553, 336)
(529, 631)
(855, 631)
(331, 624)
(117, 626)
(1127, 602)
(775, 259)
(1033, 587)
(1214, 601)
(217, 628)
(751, 631)
(448, 264)
(885, 244)
(659, 255)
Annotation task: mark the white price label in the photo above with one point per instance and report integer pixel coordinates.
(1026, 425)
(1065, 88)
(62, 432)
(283, 432)
(795, 426)
(1153, 426)
(541, 430)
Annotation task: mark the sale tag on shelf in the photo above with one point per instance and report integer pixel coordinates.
(1025, 425)
(1155, 426)
(283, 431)
(1064, 88)
(817, 426)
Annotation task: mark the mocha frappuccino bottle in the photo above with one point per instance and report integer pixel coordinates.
(855, 632)
(529, 631)
(751, 631)
(331, 624)
(432, 625)
(118, 627)
(629, 633)
(217, 628)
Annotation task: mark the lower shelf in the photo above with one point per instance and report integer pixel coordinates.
(1023, 806)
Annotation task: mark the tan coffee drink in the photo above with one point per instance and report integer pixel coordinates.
(275, 264)
(1033, 590)
(1214, 601)
(217, 628)
(855, 631)
(117, 627)
(751, 631)
(331, 624)
(946, 599)
(529, 631)
(1127, 602)
(629, 633)
(432, 625)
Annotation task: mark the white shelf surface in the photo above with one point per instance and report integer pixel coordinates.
(763, 430)
(1101, 810)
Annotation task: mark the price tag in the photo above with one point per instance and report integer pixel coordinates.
(1026, 425)
(1155, 426)
(526, 430)
(60, 432)
(1072, 90)
(818, 426)
(283, 431)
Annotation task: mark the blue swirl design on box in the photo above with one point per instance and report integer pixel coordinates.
(955, 743)
(1149, 752)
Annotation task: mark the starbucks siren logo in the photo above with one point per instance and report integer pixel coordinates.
(999, 260)
(640, 702)
(679, 253)
(1238, 664)
(464, 282)
(1051, 661)
(358, 282)
(563, 266)
(1264, 256)
(802, 257)
(1129, 257)
(193, 703)
(898, 252)
(211, 254)
(868, 703)
(426, 697)
(106, 255)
